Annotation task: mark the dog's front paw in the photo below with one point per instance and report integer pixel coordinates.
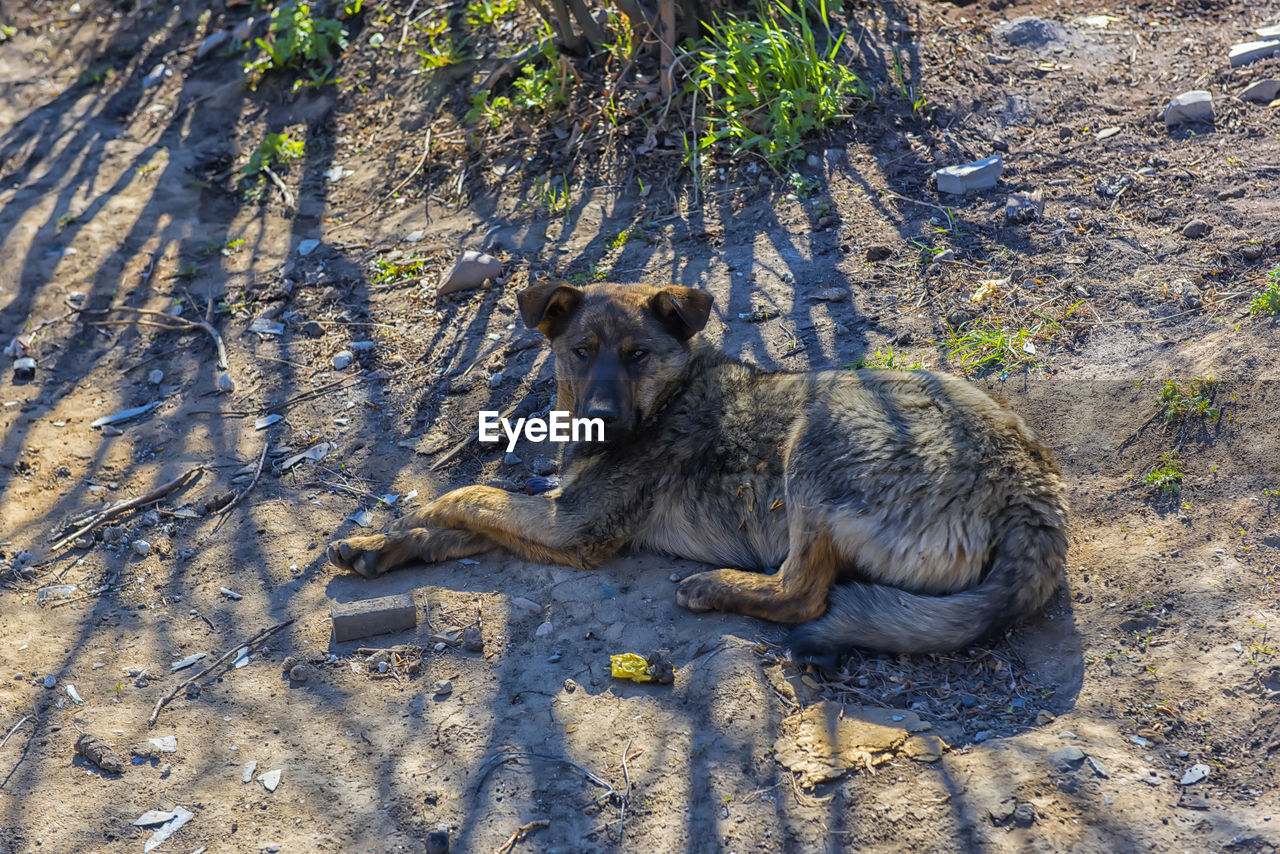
(701, 592)
(359, 554)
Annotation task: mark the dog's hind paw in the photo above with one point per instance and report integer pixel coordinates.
(701, 592)
(359, 555)
(807, 648)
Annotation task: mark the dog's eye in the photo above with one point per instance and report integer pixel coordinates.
(581, 352)
(639, 355)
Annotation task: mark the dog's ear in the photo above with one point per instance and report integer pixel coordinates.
(547, 307)
(684, 310)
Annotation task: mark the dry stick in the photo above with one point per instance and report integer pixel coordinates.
(284, 191)
(128, 504)
(235, 648)
(25, 718)
(173, 324)
(520, 834)
(240, 496)
(422, 161)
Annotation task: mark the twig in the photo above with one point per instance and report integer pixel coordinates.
(25, 748)
(511, 754)
(240, 496)
(951, 224)
(284, 191)
(520, 834)
(626, 796)
(172, 323)
(404, 31)
(426, 150)
(25, 718)
(97, 592)
(235, 648)
(126, 505)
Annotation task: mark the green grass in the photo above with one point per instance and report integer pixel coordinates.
(554, 198)
(886, 359)
(397, 271)
(1267, 301)
(1166, 475)
(441, 51)
(296, 39)
(984, 345)
(1193, 399)
(486, 12)
(763, 83)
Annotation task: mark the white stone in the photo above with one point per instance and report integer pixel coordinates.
(970, 177)
(1243, 54)
(1193, 106)
(1263, 91)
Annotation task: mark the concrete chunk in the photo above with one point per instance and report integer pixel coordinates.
(360, 619)
(1243, 54)
(1193, 106)
(970, 177)
(1262, 92)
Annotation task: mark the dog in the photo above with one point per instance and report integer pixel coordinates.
(905, 511)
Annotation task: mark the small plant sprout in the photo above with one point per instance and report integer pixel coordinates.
(1193, 399)
(1266, 302)
(1166, 475)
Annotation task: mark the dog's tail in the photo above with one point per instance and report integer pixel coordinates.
(1026, 568)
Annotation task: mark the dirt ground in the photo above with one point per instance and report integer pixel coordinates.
(1073, 733)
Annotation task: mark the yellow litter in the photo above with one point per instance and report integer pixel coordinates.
(628, 665)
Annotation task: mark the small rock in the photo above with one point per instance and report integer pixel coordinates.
(831, 294)
(543, 466)
(1252, 251)
(970, 177)
(1044, 717)
(313, 329)
(544, 629)
(50, 681)
(943, 257)
(244, 29)
(226, 384)
(1030, 31)
(1024, 815)
(471, 270)
(472, 640)
(878, 252)
(1243, 54)
(496, 380)
(300, 673)
(1194, 775)
(1193, 106)
(155, 377)
(270, 779)
(520, 603)
(342, 359)
(1098, 768)
(24, 369)
(1024, 207)
(246, 775)
(231, 594)
(142, 547)
(212, 43)
(554, 658)
(306, 247)
(1075, 215)
(164, 744)
(1106, 133)
(443, 688)
(1139, 740)
(1002, 811)
(1262, 92)
(1066, 758)
(1195, 228)
(438, 841)
(156, 75)
(674, 578)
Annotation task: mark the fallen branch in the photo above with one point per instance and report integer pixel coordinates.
(521, 834)
(26, 746)
(229, 506)
(235, 649)
(126, 505)
(169, 322)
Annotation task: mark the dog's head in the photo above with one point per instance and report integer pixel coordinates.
(619, 348)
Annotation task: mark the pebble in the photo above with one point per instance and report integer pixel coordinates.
(231, 594)
(155, 377)
(544, 629)
(226, 384)
(306, 247)
(1243, 54)
(438, 840)
(831, 294)
(1024, 815)
(1194, 775)
(1075, 214)
(554, 658)
(50, 681)
(543, 466)
(878, 252)
(510, 459)
(164, 744)
(299, 673)
(443, 688)
(1024, 207)
(158, 74)
(246, 775)
(1066, 758)
(1195, 228)
(970, 177)
(472, 641)
(342, 359)
(944, 257)
(1262, 91)
(212, 43)
(1193, 106)
(313, 329)
(270, 779)
(440, 647)
(471, 270)
(496, 380)
(383, 667)
(142, 547)
(1099, 768)
(523, 604)
(674, 577)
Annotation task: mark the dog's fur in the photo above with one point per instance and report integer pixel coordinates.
(907, 511)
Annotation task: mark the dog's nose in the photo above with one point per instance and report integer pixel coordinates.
(606, 413)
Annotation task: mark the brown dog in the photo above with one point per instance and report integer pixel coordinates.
(906, 511)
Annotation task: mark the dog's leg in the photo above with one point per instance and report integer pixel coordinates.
(536, 527)
(371, 556)
(796, 593)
